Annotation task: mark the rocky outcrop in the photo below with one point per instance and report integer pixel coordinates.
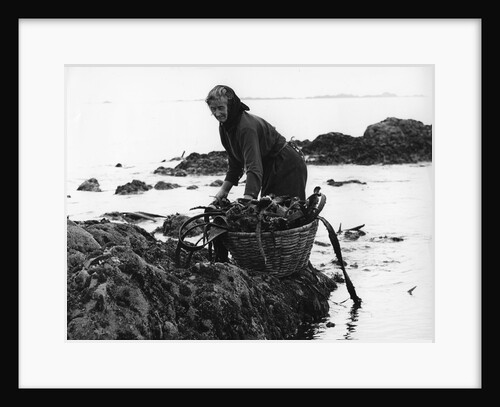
(392, 141)
(216, 183)
(166, 185)
(170, 171)
(91, 185)
(172, 224)
(334, 183)
(134, 187)
(122, 283)
(213, 163)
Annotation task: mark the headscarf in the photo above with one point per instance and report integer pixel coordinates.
(235, 106)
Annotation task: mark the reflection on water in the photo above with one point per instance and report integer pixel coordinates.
(351, 325)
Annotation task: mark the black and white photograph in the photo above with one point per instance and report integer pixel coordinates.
(250, 202)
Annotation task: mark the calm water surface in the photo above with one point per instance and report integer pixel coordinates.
(395, 254)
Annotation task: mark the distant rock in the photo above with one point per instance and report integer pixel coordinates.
(166, 185)
(134, 187)
(334, 183)
(353, 234)
(170, 171)
(91, 185)
(192, 187)
(118, 165)
(386, 238)
(213, 163)
(115, 216)
(130, 217)
(391, 141)
(216, 183)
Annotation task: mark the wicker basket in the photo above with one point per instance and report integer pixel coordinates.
(285, 250)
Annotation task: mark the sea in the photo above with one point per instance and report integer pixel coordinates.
(391, 265)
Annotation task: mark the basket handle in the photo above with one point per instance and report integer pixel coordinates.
(211, 230)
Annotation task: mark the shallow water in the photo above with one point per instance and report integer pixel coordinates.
(396, 202)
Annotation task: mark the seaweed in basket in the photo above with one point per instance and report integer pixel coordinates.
(271, 213)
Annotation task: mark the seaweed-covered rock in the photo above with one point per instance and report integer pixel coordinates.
(172, 224)
(334, 183)
(391, 141)
(166, 185)
(126, 285)
(216, 183)
(170, 171)
(213, 163)
(134, 187)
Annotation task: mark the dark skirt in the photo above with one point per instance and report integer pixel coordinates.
(285, 174)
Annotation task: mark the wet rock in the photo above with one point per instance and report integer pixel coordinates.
(386, 238)
(170, 331)
(134, 187)
(115, 216)
(129, 217)
(91, 185)
(110, 234)
(323, 244)
(353, 234)
(134, 290)
(170, 171)
(79, 239)
(213, 163)
(173, 223)
(337, 262)
(216, 183)
(166, 185)
(334, 183)
(391, 141)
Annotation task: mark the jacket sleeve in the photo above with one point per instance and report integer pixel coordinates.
(235, 168)
(234, 172)
(252, 162)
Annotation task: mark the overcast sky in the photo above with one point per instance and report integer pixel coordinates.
(128, 111)
(96, 84)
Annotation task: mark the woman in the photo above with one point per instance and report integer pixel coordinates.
(272, 165)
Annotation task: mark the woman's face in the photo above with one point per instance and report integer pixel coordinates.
(219, 109)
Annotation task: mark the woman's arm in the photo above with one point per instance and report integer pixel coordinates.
(223, 191)
(253, 162)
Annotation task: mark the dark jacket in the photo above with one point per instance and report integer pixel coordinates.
(272, 166)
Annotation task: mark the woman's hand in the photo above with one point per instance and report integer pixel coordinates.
(219, 196)
(223, 191)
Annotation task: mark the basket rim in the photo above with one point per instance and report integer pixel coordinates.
(278, 232)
